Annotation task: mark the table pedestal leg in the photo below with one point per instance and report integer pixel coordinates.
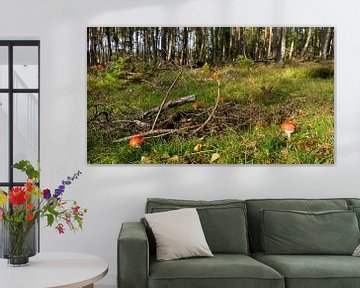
(89, 286)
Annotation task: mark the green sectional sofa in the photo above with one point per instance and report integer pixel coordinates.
(246, 238)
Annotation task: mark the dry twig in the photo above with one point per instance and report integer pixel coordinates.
(163, 102)
(212, 112)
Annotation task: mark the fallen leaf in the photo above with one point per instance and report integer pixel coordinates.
(325, 146)
(262, 123)
(285, 152)
(145, 160)
(165, 155)
(175, 158)
(214, 157)
(198, 147)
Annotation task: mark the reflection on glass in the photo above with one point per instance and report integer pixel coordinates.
(4, 137)
(26, 74)
(4, 67)
(26, 130)
(5, 189)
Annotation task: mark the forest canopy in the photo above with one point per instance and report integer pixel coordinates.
(214, 45)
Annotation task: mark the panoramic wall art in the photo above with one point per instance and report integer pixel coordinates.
(210, 95)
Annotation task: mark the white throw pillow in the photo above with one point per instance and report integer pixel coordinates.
(357, 251)
(178, 234)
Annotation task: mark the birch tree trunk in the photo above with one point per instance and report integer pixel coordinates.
(325, 44)
(269, 52)
(307, 42)
(291, 50)
(283, 45)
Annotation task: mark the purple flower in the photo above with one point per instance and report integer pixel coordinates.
(58, 192)
(68, 181)
(46, 194)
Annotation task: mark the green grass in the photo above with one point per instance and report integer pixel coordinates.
(269, 94)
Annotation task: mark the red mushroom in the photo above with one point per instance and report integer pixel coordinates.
(288, 127)
(136, 141)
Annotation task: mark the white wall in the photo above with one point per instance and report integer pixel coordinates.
(114, 194)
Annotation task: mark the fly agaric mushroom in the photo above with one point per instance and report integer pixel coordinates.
(288, 127)
(136, 141)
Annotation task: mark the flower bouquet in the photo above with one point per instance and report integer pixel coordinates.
(21, 208)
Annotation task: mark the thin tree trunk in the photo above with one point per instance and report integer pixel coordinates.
(325, 44)
(283, 45)
(291, 49)
(107, 32)
(184, 46)
(171, 46)
(153, 45)
(269, 52)
(216, 45)
(226, 40)
(163, 32)
(307, 42)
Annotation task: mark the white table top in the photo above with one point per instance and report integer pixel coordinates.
(45, 270)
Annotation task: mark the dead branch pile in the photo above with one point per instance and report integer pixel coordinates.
(168, 118)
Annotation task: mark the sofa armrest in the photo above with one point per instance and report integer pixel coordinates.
(133, 256)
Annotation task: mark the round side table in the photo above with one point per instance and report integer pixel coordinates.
(50, 270)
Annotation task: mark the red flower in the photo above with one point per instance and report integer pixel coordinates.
(29, 206)
(29, 187)
(75, 209)
(27, 196)
(17, 196)
(29, 217)
(68, 219)
(60, 228)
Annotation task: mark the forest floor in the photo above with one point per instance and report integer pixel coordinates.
(243, 129)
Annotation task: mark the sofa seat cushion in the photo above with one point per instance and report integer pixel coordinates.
(222, 270)
(313, 271)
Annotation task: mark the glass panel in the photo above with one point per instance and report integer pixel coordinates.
(4, 137)
(26, 130)
(4, 67)
(5, 189)
(26, 63)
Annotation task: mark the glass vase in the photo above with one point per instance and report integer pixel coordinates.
(18, 242)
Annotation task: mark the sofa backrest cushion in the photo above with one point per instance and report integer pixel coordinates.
(353, 202)
(256, 205)
(223, 221)
(354, 205)
(298, 232)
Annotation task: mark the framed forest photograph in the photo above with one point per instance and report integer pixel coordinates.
(210, 95)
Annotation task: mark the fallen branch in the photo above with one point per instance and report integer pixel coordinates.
(170, 104)
(136, 122)
(163, 102)
(156, 132)
(212, 112)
